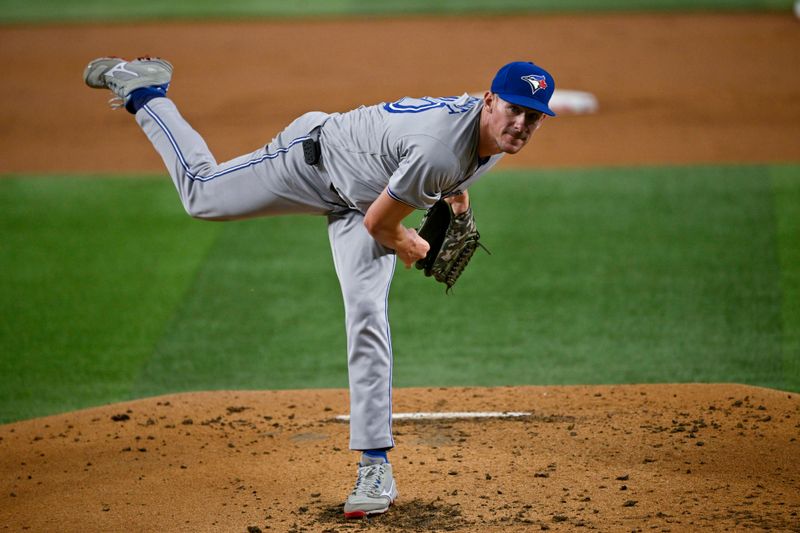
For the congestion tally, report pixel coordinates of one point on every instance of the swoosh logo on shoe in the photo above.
(389, 492)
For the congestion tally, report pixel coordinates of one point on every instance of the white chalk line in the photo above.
(447, 416)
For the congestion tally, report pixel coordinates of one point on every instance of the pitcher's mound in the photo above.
(613, 458)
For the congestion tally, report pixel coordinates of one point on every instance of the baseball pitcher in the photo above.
(365, 170)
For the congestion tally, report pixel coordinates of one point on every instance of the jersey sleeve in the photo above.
(427, 167)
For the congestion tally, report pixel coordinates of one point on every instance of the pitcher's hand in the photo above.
(412, 248)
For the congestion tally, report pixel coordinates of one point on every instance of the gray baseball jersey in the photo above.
(420, 149)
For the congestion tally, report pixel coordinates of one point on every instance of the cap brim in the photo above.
(530, 103)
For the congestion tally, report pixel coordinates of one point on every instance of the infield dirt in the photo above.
(620, 458)
(672, 89)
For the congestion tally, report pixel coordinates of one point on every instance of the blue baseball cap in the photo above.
(526, 85)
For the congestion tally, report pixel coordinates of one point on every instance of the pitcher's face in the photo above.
(508, 126)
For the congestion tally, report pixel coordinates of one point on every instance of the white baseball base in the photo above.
(566, 102)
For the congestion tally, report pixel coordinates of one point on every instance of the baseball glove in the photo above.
(453, 240)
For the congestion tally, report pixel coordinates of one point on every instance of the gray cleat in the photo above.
(123, 77)
(374, 492)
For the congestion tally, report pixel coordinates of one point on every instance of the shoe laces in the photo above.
(369, 480)
(116, 102)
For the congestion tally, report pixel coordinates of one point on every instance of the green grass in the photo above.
(264, 310)
(686, 274)
(94, 10)
(787, 214)
(92, 271)
(648, 275)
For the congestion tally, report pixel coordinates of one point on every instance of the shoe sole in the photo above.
(364, 514)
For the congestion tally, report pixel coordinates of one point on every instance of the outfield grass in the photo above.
(111, 292)
(93, 10)
(787, 213)
(92, 271)
(648, 275)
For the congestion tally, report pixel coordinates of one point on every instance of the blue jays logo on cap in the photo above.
(536, 82)
(525, 84)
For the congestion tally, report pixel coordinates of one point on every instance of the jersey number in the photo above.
(453, 104)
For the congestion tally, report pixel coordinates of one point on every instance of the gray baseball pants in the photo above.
(275, 180)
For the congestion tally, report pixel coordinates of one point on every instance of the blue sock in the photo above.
(140, 97)
(371, 457)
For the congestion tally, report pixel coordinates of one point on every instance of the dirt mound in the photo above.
(602, 457)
